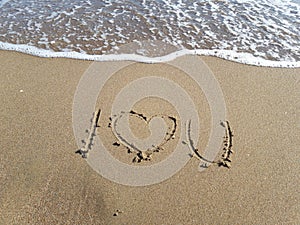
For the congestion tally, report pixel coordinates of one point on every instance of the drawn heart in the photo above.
(156, 125)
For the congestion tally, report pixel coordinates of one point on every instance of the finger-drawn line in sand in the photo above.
(92, 133)
(151, 85)
(141, 154)
(226, 156)
(195, 151)
(146, 155)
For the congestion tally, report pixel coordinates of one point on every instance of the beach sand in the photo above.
(43, 181)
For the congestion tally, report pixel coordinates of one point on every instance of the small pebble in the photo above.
(116, 144)
(117, 212)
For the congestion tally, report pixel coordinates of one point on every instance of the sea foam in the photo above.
(245, 58)
(263, 32)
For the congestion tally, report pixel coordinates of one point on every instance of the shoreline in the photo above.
(43, 180)
(230, 55)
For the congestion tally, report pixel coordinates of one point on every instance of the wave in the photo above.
(255, 32)
(245, 58)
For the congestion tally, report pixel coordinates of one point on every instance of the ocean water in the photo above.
(258, 32)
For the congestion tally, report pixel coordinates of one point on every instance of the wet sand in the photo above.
(43, 181)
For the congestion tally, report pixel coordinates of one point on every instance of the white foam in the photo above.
(268, 29)
(3, 2)
(245, 58)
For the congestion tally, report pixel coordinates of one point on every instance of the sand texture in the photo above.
(43, 180)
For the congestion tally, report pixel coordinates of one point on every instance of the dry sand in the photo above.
(42, 180)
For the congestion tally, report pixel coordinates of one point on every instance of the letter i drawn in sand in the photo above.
(226, 156)
(89, 141)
